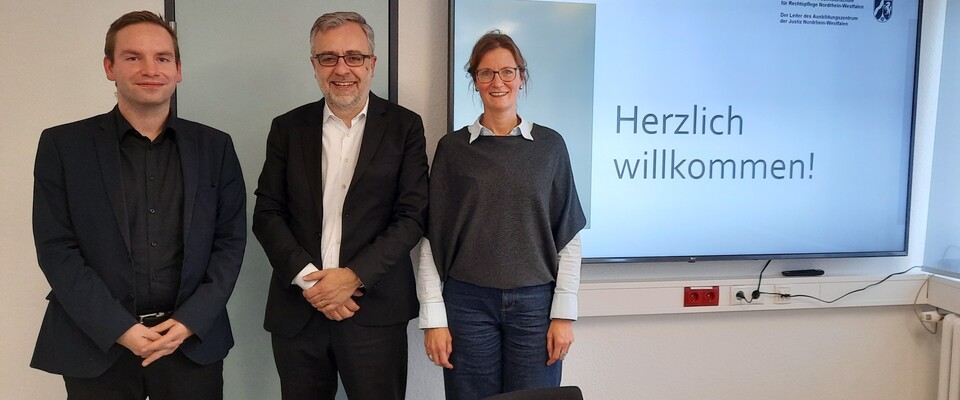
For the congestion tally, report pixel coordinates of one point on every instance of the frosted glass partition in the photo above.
(943, 223)
(244, 63)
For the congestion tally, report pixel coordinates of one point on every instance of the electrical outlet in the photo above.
(699, 296)
(747, 294)
(930, 316)
(780, 299)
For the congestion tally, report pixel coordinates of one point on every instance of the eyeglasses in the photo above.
(506, 74)
(331, 60)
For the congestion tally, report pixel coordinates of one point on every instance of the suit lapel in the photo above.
(108, 152)
(311, 137)
(372, 136)
(189, 170)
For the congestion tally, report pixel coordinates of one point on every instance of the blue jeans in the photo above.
(499, 340)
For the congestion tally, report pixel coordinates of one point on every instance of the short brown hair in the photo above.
(491, 41)
(337, 19)
(137, 17)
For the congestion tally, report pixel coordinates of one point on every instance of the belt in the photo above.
(153, 319)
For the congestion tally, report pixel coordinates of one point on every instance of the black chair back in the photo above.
(558, 393)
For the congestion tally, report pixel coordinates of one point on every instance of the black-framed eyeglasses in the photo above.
(506, 74)
(352, 60)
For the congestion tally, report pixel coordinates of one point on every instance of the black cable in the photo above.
(845, 295)
(916, 307)
(756, 293)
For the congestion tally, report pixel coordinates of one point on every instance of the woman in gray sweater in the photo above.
(502, 241)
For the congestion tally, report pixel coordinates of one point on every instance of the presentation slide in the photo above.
(725, 129)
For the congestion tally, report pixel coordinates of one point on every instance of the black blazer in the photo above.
(383, 213)
(83, 244)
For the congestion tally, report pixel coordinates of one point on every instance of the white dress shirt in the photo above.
(338, 162)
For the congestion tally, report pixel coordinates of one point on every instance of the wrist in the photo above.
(358, 283)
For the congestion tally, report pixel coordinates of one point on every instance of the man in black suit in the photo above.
(340, 203)
(140, 226)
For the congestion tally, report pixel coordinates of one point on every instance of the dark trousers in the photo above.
(371, 361)
(172, 377)
(499, 340)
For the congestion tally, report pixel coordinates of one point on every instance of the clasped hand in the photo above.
(333, 292)
(151, 343)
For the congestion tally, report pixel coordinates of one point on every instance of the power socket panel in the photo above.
(781, 289)
(699, 296)
(747, 292)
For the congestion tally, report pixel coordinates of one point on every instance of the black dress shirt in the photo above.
(153, 192)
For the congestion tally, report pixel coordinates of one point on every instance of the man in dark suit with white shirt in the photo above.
(341, 201)
(139, 219)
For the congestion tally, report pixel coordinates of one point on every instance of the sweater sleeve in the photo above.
(566, 212)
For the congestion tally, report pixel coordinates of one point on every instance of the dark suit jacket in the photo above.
(383, 213)
(83, 244)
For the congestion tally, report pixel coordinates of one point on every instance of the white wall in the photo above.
(50, 73)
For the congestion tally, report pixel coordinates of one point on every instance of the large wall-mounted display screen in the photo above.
(703, 129)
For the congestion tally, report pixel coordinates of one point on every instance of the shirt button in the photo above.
(153, 211)
(344, 187)
(153, 244)
(152, 178)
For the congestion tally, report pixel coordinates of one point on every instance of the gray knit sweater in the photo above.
(501, 208)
